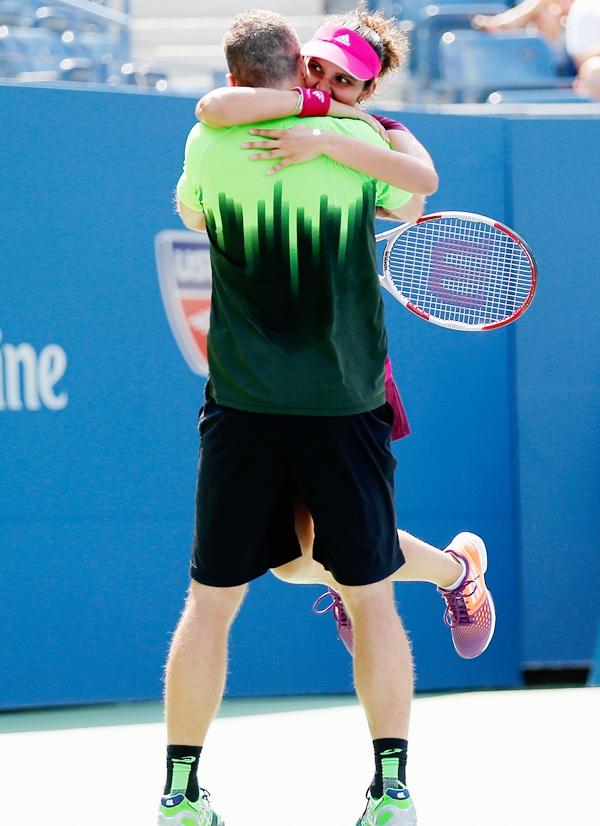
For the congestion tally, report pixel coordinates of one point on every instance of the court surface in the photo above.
(494, 758)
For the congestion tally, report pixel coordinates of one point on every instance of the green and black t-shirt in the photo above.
(297, 318)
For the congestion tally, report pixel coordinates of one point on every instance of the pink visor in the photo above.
(346, 49)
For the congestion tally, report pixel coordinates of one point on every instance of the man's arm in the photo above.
(236, 105)
(188, 193)
(192, 218)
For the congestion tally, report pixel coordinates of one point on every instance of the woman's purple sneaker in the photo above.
(470, 612)
(334, 603)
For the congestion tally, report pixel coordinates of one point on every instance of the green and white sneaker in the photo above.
(395, 808)
(177, 810)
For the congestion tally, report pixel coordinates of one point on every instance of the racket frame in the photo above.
(390, 235)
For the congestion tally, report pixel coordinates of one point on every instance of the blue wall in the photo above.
(558, 388)
(96, 496)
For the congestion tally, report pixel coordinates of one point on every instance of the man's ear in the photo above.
(231, 80)
(302, 70)
(370, 90)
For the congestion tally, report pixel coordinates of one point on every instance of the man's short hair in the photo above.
(261, 49)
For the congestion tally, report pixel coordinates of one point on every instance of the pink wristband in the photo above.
(315, 103)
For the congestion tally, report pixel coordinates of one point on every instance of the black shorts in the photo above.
(252, 468)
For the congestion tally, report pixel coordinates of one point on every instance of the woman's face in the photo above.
(326, 76)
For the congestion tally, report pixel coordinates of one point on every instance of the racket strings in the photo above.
(460, 271)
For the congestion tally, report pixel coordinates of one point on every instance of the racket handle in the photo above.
(388, 233)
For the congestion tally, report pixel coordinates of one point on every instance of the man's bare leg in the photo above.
(384, 684)
(197, 663)
(194, 684)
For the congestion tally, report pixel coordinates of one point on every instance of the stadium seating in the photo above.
(97, 43)
(433, 22)
(41, 51)
(142, 76)
(62, 19)
(62, 43)
(16, 13)
(473, 64)
(413, 9)
(102, 49)
(33, 56)
(12, 14)
(14, 62)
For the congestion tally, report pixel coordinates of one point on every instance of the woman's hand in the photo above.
(343, 110)
(374, 124)
(295, 145)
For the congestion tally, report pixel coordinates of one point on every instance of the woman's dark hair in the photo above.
(384, 35)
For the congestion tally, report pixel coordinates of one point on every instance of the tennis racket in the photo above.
(459, 270)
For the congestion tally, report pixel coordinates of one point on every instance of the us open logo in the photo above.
(184, 274)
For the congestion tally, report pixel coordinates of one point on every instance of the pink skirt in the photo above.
(400, 427)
